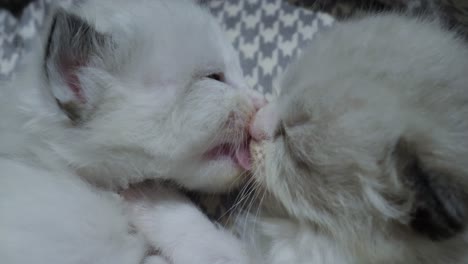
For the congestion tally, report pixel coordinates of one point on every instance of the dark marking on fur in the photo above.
(280, 131)
(71, 44)
(132, 230)
(439, 210)
(153, 252)
(72, 110)
(48, 46)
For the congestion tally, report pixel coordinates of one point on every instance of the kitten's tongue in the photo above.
(243, 157)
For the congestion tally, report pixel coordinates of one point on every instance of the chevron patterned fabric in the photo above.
(267, 33)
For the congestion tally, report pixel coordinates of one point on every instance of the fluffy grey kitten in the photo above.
(363, 156)
(121, 92)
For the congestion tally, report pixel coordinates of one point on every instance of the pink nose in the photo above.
(264, 123)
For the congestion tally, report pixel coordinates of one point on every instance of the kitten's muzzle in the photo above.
(264, 123)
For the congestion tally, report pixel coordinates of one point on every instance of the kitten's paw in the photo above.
(155, 260)
(146, 202)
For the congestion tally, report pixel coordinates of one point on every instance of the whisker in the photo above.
(242, 195)
(243, 202)
(256, 215)
(250, 206)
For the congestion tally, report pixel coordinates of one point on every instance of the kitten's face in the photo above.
(359, 133)
(152, 89)
(318, 147)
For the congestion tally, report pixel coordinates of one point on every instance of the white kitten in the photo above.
(363, 156)
(125, 91)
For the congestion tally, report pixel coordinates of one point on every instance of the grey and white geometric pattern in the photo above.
(267, 34)
(16, 34)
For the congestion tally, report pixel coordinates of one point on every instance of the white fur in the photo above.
(178, 229)
(147, 110)
(330, 157)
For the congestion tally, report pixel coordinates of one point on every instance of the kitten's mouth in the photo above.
(239, 154)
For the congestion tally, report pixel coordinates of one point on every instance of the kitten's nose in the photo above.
(264, 123)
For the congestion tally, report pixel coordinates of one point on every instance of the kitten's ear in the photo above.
(440, 206)
(72, 45)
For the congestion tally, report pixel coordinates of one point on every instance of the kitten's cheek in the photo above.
(264, 123)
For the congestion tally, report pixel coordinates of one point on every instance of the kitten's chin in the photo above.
(257, 154)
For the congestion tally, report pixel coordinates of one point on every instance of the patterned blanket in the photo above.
(267, 34)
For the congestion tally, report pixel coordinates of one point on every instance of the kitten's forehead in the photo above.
(337, 113)
(171, 36)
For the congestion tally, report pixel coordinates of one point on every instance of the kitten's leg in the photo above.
(174, 225)
(53, 218)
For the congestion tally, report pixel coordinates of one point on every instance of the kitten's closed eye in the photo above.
(279, 131)
(219, 76)
(298, 120)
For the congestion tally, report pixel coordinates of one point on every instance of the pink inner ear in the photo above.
(71, 78)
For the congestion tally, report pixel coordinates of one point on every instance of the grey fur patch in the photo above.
(439, 210)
